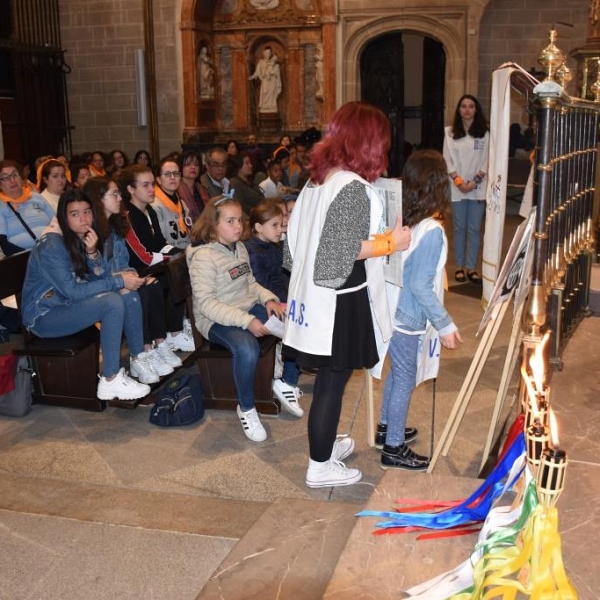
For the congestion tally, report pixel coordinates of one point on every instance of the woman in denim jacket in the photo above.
(69, 287)
(425, 198)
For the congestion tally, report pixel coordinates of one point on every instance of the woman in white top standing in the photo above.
(466, 146)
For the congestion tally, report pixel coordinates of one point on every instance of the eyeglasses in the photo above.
(10, 177)
(217, 165)
(169, 174)
(114, 194)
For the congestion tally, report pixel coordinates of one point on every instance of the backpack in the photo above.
(179, 401)
(16, 385)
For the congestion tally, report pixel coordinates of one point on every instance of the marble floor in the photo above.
(104, 505)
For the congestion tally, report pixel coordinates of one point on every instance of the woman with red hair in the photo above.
(337, 299)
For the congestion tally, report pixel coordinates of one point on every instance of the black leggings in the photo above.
(325, 411)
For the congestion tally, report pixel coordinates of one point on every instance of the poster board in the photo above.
(390, 192)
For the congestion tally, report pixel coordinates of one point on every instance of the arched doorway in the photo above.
(403, 73)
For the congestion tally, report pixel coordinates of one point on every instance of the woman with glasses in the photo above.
(142, 157)
(24, 214)
(171, 211)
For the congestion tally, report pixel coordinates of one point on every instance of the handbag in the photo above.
(16, 385)
(179, 402)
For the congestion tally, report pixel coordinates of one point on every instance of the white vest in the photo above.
(311, 308)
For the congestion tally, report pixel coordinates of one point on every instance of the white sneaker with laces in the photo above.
(342, 447)
(251, 425)
(141, 368)
(160, 366)
(122, 387)
(288, 396)
(167, 355)
(181, 341)
(330, 473)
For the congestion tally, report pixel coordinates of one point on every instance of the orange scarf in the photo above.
(38, 173)
(25, 195)
(170, 205)
(96, 172)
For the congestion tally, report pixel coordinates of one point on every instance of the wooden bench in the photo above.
(215, 362)
(66, 367)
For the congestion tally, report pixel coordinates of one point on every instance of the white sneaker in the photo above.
(167, 355)
(331, 473)
(159, 365)
(342, 447)
(288, 396)
(141, 368)
(122, 387)
(187, 328)
(251, 425)
(181, 341)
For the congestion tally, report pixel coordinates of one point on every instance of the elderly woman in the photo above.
(24, 214)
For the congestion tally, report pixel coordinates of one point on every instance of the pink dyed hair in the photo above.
(357, 140)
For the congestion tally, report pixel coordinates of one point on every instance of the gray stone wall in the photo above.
(100, 37)
(517, 31)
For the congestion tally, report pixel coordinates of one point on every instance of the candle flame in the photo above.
(554, 429)
(530, 393)
(537, 364)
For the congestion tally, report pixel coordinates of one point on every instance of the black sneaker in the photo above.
(402, 457)
(410, 435)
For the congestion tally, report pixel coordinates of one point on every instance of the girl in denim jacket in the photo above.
(425, 192)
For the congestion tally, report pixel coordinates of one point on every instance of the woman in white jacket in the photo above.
(466, 147)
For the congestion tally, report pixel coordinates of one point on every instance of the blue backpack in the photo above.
(179, 401)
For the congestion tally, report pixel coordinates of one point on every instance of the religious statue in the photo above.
(269, 73)
(206, 75)
(319, 70)
(264, 4)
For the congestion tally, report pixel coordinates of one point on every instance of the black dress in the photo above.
(353, 342)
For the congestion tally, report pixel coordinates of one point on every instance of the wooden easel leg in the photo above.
(512, 354)
(475, 368)
(370, 410)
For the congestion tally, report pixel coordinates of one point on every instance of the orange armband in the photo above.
(383, 244)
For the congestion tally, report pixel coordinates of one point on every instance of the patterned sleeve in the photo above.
(346, 226)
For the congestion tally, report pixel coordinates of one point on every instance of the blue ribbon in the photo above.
(461, 514)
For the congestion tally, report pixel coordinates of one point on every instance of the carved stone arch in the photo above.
(449, 28)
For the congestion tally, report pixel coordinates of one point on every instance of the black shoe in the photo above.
(410, 435)
(402, 457)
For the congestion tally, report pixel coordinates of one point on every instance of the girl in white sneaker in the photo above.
(266, 260)
(337, 297)
(230, 307)
(157, 359)
(68, 288)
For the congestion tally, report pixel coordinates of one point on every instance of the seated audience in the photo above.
(156, 358)
(190, 190)
(245, 191)
(230, 310)
(266, 260)
(52, 181)
(147, 247)
(24, 214)
(68, 288)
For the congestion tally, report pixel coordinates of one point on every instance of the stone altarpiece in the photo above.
(226, 42)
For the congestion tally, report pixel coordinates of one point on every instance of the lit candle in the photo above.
(552, 471)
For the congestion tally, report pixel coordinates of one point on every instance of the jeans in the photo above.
(244, 347)
(132, 325)
(399, 385)
(291, 372)
(107, 309)
(467, 216)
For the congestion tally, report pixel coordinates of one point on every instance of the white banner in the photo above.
(497, 174)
